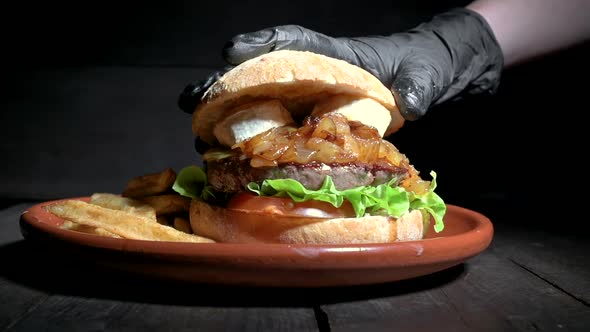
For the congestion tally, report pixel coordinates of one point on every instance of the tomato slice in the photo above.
(287, 207)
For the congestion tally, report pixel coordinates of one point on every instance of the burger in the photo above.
(295, 153)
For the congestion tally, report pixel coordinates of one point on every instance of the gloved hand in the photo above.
(454, 53)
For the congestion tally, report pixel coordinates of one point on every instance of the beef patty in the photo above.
(233, 175)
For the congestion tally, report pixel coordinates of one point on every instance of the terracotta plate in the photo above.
(467, 233)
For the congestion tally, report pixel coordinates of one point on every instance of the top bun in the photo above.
(298, 79)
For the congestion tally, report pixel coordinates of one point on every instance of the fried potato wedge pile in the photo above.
(148, 209)
(121, 223)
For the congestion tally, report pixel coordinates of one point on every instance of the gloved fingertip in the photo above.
(192, 94)
(190, 97)
(229, 53)
(411, 106)
(412, 114)
(249, 45)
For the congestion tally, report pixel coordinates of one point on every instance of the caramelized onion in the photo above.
(327, 139)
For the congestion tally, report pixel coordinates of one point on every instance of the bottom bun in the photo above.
(240, 226)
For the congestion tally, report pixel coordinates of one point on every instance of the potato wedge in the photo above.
(150, 184)
(72, 226)
(182, 224)
(116, 202)
(167, 204)
(121, 223)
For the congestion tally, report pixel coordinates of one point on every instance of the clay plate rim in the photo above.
(466, 234)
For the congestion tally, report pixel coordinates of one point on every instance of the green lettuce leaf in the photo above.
(383, 199)
(192, 182)
(432, 203)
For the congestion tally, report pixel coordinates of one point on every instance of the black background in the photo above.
(89, 100)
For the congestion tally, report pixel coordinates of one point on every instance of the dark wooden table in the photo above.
(527, 280)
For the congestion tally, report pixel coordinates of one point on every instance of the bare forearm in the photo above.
(529, 28)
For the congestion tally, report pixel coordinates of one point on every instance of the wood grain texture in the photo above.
(45, 292)
(16, 299)
(556, 258)
(77, 314)
(9, 230)
(491, 294)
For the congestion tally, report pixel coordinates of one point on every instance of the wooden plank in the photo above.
(94, 299)
(560, 259)
(9, 228)
(87, 314)
(50, 294)
(491, 294)
(17, 298)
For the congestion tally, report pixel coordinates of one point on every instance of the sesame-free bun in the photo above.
(238, 226)
(298, 79)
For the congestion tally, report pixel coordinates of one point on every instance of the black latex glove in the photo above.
(454, 53)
